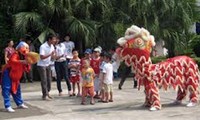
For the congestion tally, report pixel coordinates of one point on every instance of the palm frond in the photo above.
(44, 33)
(24, 19)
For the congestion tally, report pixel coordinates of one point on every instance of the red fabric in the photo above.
(75, 79)
(16, 70)
(95, 64)
(88, 90)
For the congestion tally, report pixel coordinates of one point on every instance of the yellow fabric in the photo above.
(32, 57)
(88, 77)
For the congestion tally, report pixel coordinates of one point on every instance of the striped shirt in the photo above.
(75, 63)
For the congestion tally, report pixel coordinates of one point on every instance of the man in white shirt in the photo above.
(47, 53)
(69, 45)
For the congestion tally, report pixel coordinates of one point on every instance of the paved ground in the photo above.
(127, 105)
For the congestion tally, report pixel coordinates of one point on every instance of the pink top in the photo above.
(9, 51)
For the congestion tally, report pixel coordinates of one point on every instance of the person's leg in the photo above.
(73, 88)
(49, 78)
(83, 95)
(127, 71)
(134, 82)
(68, 69)
(23, 78)
(79, 91)
(65, 75)
(96, 87)
(111, 93)
(6, 88)
(30, 74)
(43, 77)
(106, 93)
(58, 80)
(91, 93)
(18, 97)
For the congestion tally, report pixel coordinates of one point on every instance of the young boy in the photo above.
(95, 64)
(87, 82)
(102, 92)
(108, 78)
(74, 66)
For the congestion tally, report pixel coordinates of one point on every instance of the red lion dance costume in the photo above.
(179, 72)
(12, 73)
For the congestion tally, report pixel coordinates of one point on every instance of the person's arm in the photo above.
(6, 57)
(46, 56)
(57, 57)
(104, 72)
(43, 56)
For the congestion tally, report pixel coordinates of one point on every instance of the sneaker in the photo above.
(153, 109)
(78, 95)
(70, 93)
(60, 94)
(10, 109)
(191, 104)
(50, 97)
(23, 106)
(46, 98)
(119, 87)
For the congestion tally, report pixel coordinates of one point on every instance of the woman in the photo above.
(9, 50)
(60, 66)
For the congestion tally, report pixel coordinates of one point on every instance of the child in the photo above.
(102, 92)
(74, 66)
(87, 56)
(108, 79)
(87, 82)
(95, 64)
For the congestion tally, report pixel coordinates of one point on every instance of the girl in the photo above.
(74, 66)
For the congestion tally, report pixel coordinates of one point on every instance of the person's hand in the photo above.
(53, 53)
(23, 61)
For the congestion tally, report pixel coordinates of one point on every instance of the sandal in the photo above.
(83, 103)
(105, 101)
(110, 100)
(100, 100)
(92, 103)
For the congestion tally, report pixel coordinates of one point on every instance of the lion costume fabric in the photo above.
(179, 72)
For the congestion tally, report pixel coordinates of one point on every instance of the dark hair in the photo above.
(74, 50)
(108, 55)
(67, 34)
(102, 54)
(8, 41)
(57, 35)
(113, 48)
(50, 36)
(28, 38)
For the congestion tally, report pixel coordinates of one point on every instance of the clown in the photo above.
(180, 72)
(12, 73)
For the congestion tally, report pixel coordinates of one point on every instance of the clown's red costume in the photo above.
(179, 72)
(12, 73)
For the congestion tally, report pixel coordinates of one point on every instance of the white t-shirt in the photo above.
(60, 50)
(115, 62)
(69, 47)
(45, 49)
(108, 71)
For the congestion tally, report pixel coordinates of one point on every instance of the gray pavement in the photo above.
(127, 105)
